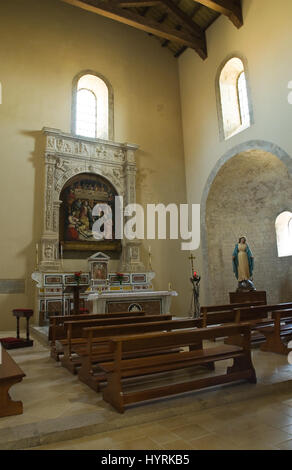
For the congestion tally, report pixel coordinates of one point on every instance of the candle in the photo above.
(37, 254)
(149, 250)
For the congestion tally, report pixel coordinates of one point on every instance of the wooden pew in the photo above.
(119, 369)
(227, 307)
(242, 314)
(96, 349)
(58, 331)
(10, 374)
(75, 334)
(279, 333)
(259, 318)
(210, 310)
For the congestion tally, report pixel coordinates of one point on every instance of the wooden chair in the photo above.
(120, 368)
(10, 374)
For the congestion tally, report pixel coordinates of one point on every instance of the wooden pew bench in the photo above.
(75, 338)
(97, 350)
(260, 319)
(10, 374)
(278, 334)
(58, 331)
(120, 369)
(221, 314)
(227, 307)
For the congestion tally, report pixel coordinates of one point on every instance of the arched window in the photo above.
(243, 100)
(283, 226)
(86, 113)
(92, 112)
(234, 102)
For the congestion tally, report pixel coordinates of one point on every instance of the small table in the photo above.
(14, 343)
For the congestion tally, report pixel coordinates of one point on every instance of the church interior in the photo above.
(149, 342)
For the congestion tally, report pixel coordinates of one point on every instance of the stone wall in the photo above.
(43, 46)
(247, 195)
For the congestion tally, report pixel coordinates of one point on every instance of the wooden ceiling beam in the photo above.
(112, 11)
(230, 8)
(184, 18)
(136, 3)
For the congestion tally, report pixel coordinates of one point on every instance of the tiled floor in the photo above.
(49, 392)
(262, 423)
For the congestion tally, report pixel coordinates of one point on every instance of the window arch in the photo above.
(283, 227)
(86, 113)
(234, 104)
(92, 108)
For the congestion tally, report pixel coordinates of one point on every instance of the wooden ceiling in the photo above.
(177, 24)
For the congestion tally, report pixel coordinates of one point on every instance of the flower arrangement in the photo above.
(196, 278)
(120, 277)
(77, 277)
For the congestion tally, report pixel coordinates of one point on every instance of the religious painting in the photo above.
(99, 271)
(79, 196)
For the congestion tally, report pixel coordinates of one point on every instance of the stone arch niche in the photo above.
(67, 156)
(246, 191)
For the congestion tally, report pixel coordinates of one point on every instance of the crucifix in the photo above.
(195, 280)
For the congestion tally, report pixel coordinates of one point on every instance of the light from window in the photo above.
(284, 234)
(92, 101)
(234, 97)
(243, 100)
(86, 113)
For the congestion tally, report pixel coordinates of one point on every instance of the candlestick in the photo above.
(149, 254)
(192, 258)
(61, 253)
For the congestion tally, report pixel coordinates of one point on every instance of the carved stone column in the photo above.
(50, 239)
(131, 261)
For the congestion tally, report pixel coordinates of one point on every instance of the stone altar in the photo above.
(152, 302)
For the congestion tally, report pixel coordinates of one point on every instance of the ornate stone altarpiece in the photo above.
(67, 156)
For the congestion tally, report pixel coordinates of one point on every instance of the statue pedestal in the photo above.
(251, 296)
